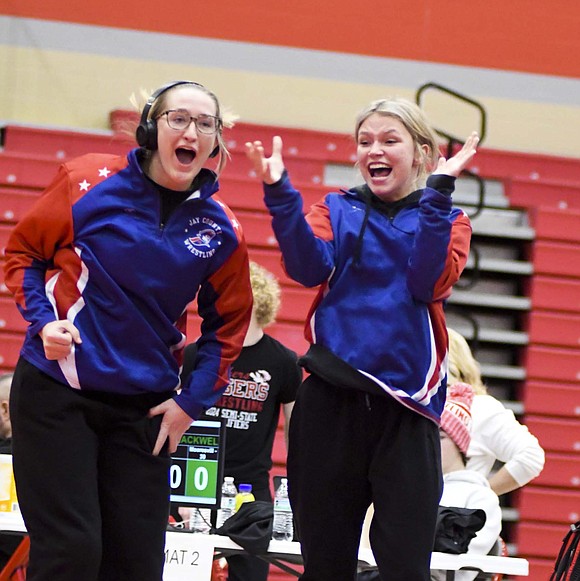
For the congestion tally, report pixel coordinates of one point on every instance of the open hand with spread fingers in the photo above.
(268, 169)
(456, 164)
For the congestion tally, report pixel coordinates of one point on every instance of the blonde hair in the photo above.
(266, 292)
(463, 367)
(415, 122)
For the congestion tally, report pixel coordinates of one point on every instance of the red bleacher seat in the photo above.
(552, 328)
(555, 294)
(556, 258)
(5, 230)
(495, 163)
(10, 346)
(15, 202)
(560, 470)
(552, 398)
(564, 505)
(555, 434)
(302, 170)
(63, 144)
(257, 228)
(244, 193)
(271, 259)
(553, 363)
(556, 224)
(306, 143)
(530, 193)
(26, 171)
(295, 304)
(539, 539)
(10, 318)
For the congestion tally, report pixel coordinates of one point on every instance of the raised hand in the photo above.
(268, 169)
(456, 164)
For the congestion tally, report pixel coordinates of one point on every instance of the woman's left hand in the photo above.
(173, 425)
(456, 164)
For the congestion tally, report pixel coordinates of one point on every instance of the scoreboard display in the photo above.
(196, 472)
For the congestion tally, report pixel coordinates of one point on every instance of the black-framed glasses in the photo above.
(180, 120)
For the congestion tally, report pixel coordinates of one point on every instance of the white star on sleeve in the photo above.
(104, 173)
(84, 186)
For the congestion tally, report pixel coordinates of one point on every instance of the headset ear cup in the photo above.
(146, 135)
(141, 135)
(151, 135)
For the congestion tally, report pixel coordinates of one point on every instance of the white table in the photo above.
(286, 554)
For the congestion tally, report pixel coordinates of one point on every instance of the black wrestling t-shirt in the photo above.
(265, 376)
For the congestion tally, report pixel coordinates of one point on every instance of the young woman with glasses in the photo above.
(364, 429)
(103, 268)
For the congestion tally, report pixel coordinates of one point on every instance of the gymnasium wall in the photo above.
(301, 63)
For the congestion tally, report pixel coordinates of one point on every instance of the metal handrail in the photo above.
(453, 141)
(451, 138)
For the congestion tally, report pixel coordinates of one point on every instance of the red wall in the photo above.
(518, 35)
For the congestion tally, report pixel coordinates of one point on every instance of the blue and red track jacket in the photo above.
(384, 272)
(93, 250)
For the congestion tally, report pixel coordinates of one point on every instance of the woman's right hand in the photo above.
(58, 338)
(268, 169)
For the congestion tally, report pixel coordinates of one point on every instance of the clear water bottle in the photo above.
(283, 527)
(200, 520)
(228, 502)
(244, 495)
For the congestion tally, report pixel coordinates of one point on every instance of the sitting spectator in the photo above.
(5, 425)
(8, 541)
(464, 488)
(496, 434)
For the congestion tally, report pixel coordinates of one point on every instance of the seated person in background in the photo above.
(5, 425)
(264, 379)
(8, 541)
(496, 434)
(462, 487)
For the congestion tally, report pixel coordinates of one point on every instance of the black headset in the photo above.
(146, 133)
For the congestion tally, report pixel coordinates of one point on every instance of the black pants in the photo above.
(248, 567)
(346, 450)
(94, 499)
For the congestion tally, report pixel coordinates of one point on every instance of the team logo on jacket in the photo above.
(205, 238)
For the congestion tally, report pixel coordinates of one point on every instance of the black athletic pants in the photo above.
(347, 449)
(94, 499)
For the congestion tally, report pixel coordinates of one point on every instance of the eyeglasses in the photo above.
(180, 120)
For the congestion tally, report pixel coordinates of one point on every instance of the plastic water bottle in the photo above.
(228, 502)
(244, 495)
(283, 527)
(200, 520)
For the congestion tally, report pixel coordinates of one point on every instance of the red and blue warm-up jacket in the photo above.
(384, 272)
(93, 250)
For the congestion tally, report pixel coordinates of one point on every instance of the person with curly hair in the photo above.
(264, 381)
